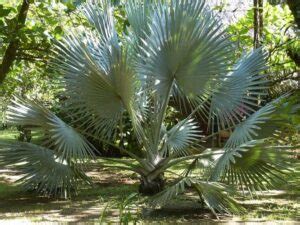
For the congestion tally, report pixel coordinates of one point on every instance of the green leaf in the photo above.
(58, 29)
(4, 11)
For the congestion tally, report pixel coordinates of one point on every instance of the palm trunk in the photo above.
(151, 187)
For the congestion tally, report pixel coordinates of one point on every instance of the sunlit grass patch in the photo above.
(12, 134)
(8, 135)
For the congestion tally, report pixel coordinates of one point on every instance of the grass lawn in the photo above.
(106, 200)
(8, 135)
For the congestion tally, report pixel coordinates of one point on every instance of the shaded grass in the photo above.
(107, 193)
(8, 191)
(86, 206)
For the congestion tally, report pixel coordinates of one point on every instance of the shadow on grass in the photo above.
(86, 206)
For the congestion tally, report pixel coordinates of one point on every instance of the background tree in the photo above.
(13, 46)
(25, 29)
(280, 38)
(258, 22)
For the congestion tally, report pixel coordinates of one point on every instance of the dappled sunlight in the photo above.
(10, 176)
(110, 188)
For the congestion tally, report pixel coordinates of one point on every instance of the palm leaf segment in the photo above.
(42, 170)
(53, 169)
(139, 16)
(247, 162)
(237, 96)
(182, 136)
(62, 138)
(185, 43)
(212, 193)
(97, 77)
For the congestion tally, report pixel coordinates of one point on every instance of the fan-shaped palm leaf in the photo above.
(139, 13)
(253, 165)
(181, 136)
(42, 170)
(241, 146)
(97, 75)
(170, 192)
(64, 139)
(185, 43)
(248, 129)
(82, 72)
(238, 94)
(213, 195)
(99, 13)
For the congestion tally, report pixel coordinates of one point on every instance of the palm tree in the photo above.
(173, 50)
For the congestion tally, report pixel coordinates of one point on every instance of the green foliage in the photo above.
(279, 38)
(125, 210)
(30, 74)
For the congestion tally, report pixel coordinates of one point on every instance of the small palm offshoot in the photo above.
(173, 50)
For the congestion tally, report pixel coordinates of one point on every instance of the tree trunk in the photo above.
(295, 9)
(257, 22)
(152, 187)
(11, 51)
(294, 6)
(24, 134)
